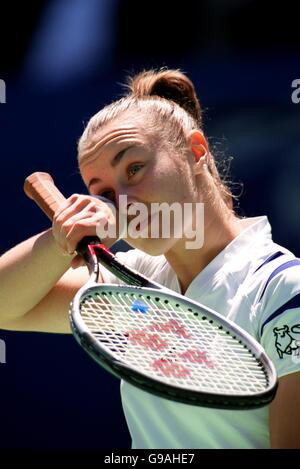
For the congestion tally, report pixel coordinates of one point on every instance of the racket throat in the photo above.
(129, 276)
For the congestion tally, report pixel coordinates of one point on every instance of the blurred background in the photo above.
(61, 61)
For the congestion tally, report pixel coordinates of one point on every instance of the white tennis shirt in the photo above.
(254, 282)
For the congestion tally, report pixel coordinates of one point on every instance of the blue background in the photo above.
(62, 61)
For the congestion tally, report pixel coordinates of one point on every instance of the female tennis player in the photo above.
(150, 147)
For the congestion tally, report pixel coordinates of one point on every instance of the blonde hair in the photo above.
(167, 98)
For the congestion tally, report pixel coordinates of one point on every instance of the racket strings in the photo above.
(243, 361)
(171, 342)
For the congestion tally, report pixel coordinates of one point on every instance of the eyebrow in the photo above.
(115, 161)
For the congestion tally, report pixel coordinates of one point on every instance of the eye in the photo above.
(108, 195)
(133, 169)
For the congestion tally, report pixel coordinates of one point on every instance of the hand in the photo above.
(80, 216)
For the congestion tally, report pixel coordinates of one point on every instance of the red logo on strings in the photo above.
(196, 356)
(151, 341)
(168, 366)
(171, 326)
(170, 369)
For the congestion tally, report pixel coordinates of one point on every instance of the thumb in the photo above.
(78, 261)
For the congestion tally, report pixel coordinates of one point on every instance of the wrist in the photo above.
(59, 250)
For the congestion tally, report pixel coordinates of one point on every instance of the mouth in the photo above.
(152, 222)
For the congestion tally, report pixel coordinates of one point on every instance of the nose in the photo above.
(124, 198)
(104, 199)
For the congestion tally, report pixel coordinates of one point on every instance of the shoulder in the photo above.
(139, 260)
(154, 267)
(279, 290)
(279, 314)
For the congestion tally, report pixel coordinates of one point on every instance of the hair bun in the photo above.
(168, 84)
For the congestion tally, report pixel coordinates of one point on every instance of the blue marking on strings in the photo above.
(139, 307)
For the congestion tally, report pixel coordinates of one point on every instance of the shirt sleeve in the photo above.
(279, 319)
(150, 266)
(131, 258)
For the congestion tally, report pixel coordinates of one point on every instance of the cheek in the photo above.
(168, 176)
(169, 185)
(154, 183)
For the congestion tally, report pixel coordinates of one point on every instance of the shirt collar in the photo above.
(236, 257)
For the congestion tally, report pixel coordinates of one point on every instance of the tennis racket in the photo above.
(156, 339)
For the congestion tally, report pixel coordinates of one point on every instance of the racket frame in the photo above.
(158, 387)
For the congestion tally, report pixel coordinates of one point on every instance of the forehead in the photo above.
(120, 130)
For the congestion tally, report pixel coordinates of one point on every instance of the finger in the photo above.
(80, 229)
(68, 202)
(61, 230)
(88, 211)
(73, 207)
(88, 227)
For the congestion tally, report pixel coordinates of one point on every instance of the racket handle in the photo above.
(40, 187)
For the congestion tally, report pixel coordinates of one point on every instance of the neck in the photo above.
(219, 231)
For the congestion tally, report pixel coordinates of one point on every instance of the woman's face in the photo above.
(124, 159)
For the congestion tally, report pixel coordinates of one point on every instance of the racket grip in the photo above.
(40, 187)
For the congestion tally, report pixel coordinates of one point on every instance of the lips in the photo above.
(147, 222)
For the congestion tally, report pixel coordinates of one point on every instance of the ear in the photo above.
(199, 148)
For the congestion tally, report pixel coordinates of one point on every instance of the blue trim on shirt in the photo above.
(279, 269)
(269, 259)
(291, 304)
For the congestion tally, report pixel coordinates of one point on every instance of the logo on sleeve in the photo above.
(285, 342)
